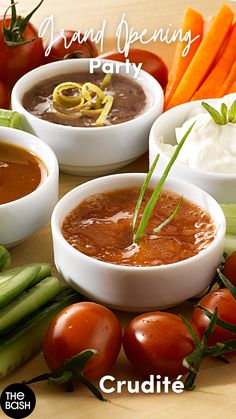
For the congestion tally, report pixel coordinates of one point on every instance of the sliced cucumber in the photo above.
(17, 284)
(5, 258)
(26, 340)
(28, 303)
(44, 272)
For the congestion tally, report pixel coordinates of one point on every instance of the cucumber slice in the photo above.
(45, 271)
(17, 284)
(28, 303)
(5, 258)
(26, 340)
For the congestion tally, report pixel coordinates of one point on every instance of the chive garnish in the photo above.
(143, 190)
(232, 113)
(224, 112)
(157, 191)
(224, 116)
(216, 116)
(170, 218)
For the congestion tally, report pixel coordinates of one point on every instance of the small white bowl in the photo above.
(129, 288)
(219, 185)
(91, 150)
(21, 218)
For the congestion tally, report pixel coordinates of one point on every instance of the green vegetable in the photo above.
(10, 119)
(26, 339)
(28, 303)
(170, 218)
(5, 258)
(230, 215)
(230, 243)
(17, 284)
(232, 113)
(143, 190)
(44, 272)
(157, 191)
(224, 116)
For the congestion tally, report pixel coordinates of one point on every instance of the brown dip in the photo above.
(129, 99)
(100, 227)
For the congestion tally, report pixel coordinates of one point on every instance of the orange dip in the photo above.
(21, 172)
(100, 227)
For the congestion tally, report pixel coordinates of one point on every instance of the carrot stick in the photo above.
(204, 57)
(192, 21)
(229, 81)
(232, 88)
(210, 87)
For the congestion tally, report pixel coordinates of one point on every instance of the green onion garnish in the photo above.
(10, 119)
(224, 116)
(143, 190)
(156, 193)
(232, 113)
(170, 218)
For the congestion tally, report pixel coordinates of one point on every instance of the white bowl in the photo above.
(21, 218)
(95, 150)
(219, 185)
(136, 288)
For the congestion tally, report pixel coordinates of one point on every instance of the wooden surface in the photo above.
(216, 389)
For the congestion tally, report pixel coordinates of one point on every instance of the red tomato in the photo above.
(83, 326)
(156, 343)
(152, 63)
(18, 58)
(58, 51)
(4, 96)
(230, 268)
(226, 305)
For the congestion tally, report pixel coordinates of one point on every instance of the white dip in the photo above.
(209, 146)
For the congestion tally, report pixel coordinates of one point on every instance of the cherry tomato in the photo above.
(17, 58)
(152, 63)
(230, 268)
(4, 96)
(83, 326)
(58, 51)
(226, 305)
(156, 343)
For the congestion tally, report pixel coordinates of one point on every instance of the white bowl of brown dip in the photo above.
(82, 145)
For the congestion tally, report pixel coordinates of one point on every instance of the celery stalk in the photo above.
(10, 119)
(230, 243)
(230, 215)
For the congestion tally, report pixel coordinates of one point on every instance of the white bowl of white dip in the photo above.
(208, 157)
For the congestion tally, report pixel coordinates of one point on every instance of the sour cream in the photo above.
(209, 146)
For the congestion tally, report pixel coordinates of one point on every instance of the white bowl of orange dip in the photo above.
(26, 203)
(134, 288)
